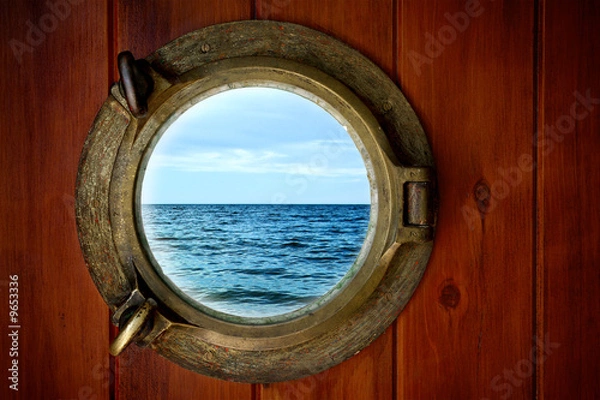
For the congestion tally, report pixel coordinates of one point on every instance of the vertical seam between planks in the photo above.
(395, 359)
(395, 52)
(538, 180)
(112, 28)
(112, 37)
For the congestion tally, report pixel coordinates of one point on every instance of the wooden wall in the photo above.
(509, 95)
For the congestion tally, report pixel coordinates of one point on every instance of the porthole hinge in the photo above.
(417, 204)
(416, 207)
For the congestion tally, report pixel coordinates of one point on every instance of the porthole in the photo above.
(256, 203)
(191, 325)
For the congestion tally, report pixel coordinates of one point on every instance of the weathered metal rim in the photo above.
(199, 348)
(273, 331)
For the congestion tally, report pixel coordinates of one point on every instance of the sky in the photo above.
(255, 145)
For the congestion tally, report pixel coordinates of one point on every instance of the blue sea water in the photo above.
(255, 260)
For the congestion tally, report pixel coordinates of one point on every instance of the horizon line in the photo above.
(256, 204)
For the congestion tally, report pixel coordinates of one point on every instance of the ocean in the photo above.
(255, 260)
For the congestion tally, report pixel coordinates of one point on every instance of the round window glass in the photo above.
(256, 202)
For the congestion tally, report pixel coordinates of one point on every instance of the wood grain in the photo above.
(143, 27)
(366, 25)
(472, 86)
(370, 374)
(51, 92)
(367, 376)
(568, 215)
(509, 267)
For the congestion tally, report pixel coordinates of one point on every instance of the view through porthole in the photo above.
(256, 202)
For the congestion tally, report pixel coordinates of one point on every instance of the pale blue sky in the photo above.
(255, 146)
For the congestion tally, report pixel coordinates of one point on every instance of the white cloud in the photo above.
(315, 158)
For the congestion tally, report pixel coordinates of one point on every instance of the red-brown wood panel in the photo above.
(365, 376)
(367, 26)
(569, 187)
(142, 27)
(467, 68)
(515, 269)
(53, 81)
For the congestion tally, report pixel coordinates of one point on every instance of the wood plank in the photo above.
(55, 78)
(569, 216)
(470, 321)
(143, 27)
(367, 375)
(367, 26)
(145, 375)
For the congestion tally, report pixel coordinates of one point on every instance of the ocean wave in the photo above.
(294, 243)
(259, 271)
(257, 297)
(166, 238)
(255, 260)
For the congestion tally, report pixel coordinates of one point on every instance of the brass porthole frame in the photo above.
(148, 310)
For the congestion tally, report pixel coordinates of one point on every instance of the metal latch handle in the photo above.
(132, 327)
